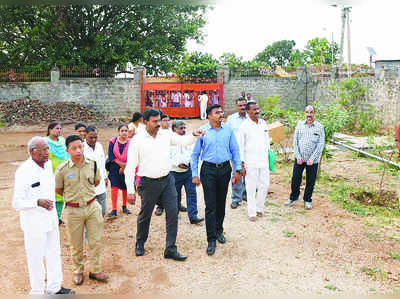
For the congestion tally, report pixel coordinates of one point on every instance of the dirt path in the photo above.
(288, 251)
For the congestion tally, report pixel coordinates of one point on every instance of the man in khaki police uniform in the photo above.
(76, 180)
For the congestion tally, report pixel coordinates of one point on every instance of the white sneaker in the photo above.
(290, 202)
(307, 205)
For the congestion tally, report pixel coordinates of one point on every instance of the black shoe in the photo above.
(234, 205)
(196, 220)
(159, 211)
(221, 238)
(211, 247)
(174, 255)
(125, 210)
(139, 249)
(64, 291)
(182, 209)
(60, 222)
(113, 213)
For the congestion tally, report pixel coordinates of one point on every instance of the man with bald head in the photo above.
(34, 197)
(308, 144)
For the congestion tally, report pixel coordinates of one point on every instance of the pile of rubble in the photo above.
(24, 111)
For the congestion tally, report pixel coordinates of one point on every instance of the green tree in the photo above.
(152, 36)
(233, 62)
(279, 53)
(196, 64)
(318, 49)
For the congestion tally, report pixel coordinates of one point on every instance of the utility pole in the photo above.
(348, 43)
(345, 17)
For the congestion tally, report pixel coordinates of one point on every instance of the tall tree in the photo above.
(197, 64)
(152, 36)
(233, 62)
(320, 50)
(278, 53)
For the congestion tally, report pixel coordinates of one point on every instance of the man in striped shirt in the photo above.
(308, 143)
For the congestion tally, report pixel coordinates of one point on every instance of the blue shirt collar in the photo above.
(207, 126)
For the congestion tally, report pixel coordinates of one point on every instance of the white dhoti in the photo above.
(41, 246)
(257, 183)
(203, 108)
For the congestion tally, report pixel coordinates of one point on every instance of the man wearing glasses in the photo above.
(217, 147)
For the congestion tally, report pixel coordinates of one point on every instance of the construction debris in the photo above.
(25, 111)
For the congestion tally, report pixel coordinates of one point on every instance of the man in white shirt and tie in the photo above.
(151, 151)
(94, 151)
(34, 197)
(253, 139)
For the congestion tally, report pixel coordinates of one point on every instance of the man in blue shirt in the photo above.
(217, 147)
(234, 121)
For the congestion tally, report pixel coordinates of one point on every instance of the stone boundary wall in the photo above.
(121, 97)
(114, 97)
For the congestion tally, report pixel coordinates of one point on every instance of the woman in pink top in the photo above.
(117, 154)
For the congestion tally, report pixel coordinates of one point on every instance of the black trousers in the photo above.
(215, 182)
(151, 191)
(311, 176)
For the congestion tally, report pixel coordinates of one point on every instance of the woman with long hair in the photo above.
(117, 155)
(57, 155)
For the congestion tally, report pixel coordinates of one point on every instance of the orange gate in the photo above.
(179, 100)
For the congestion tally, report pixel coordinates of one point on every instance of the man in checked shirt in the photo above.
(308, 143)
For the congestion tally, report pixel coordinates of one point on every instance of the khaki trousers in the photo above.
(89, 217)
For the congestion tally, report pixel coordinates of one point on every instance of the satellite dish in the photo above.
(371, 51)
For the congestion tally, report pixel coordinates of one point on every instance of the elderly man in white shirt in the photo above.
(94, 151)
(254, 144)
(34, 198)
(150, 150)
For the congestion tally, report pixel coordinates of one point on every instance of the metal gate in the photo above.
(179, 100)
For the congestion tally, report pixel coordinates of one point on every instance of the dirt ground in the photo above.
(288, 251)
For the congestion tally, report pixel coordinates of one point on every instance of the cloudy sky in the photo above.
(246, 27)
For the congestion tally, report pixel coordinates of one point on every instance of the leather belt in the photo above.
(216, 165)
(77, 205)
(154, 179)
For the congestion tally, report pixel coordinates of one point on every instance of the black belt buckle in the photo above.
(219, 165)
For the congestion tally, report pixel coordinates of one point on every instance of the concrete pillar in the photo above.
(55, 75)
(139, 73)
(223, 69)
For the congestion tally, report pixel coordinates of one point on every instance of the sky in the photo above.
(246, 27)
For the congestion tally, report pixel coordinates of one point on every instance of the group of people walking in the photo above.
(156, 162)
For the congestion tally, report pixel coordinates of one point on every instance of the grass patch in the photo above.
(393, 238)
(374, 273)
(374, 236)
(331, 287)
(395, 256)
(289, 234)
(303, 212)
(272, 204)
(353, 198)
(390, 169)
